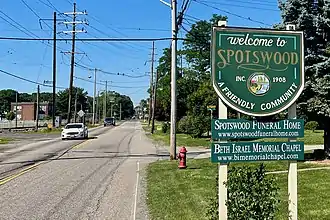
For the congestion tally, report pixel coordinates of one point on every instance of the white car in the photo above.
(75, 131)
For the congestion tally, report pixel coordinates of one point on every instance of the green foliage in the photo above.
(313, 21)
(165, 127)
(63, 99)
(194, 125)
(48, 117)
(251, 195)
(10, 116)
(7, 96)
(183, 125)
(312, 125)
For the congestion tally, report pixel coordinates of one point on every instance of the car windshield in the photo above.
(73, 126)
(109, 119)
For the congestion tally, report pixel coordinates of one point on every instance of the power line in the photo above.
(113, 29)
(99, 83)
(143, 29)
(239, 6)
(233, 14)
(28, 80)
(127, 44)
(90, 39)
(111, 73)
(192, 17)
(259, 3)
(113, 45)
(26, 31)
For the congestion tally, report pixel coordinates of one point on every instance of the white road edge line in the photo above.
(136, 188)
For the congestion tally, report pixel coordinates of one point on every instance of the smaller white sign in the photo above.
(81, 113)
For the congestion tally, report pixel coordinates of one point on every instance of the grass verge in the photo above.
(5, 140)
(186, 193)
(311, 138)
(182, 139)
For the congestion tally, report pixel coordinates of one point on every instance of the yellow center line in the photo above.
(5, 180)
(32, 167)
(81, 144)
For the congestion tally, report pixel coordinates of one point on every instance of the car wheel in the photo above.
(63, 139)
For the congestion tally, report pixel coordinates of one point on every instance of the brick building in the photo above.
(26, 111)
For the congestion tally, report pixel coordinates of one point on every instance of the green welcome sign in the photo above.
(257, 72)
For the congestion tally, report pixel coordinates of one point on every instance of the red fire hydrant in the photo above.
(182, 157)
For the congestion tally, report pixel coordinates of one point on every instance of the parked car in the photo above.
(109, 121)
(75, 131)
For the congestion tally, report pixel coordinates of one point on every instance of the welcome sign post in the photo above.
(259, 73)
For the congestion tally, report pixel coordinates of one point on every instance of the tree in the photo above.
(114, 99)
(313, 19)
(10, 116)
(194, 88)
(7, 96)
(198, 43)
(63, 99)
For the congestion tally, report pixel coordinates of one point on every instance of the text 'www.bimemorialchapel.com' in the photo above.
(262, 157)
(253, 134)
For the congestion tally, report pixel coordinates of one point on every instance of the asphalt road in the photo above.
(94, 179)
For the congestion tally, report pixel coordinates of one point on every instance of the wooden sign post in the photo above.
(258, 73)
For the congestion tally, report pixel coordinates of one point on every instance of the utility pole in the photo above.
(98, 107)
(94, 96)
(75, 105)
(119, 111)
(111, 109)
(72, 61)
(105, 100)
(151, 81)
(176, 21)
(54, 20)
(54, 71)
(154, 104)
(37, 109)
(173, 81)
(16, 109)
(74, 23)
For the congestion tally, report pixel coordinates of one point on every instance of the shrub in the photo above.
(165, 127)
(311, 125)
(10, 116)
(184, 125)
(251, 195)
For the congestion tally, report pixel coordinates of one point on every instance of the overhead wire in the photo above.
(113, 29)
(127, 44)
(28, 80)
(104, 49)
(258, 3)
(41, 66)
(91, 39)
(231, 13)
(114, 86)
(111, 73)
(239, 6)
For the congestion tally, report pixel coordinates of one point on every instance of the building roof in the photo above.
(28, 103)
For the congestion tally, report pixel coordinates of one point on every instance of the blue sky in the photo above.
(117, 19)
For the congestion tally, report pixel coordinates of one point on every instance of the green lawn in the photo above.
(182, 139)
(5, 140)
(311, 138)
(184, 194)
